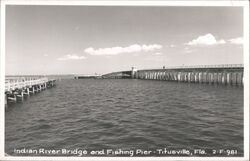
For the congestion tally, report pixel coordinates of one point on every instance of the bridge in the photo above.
(230, 74)
(119, 75)
(17, 88)
(96, 76)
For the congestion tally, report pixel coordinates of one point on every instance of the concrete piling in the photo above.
(234, 78)
(206, 77)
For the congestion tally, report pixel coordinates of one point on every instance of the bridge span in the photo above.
(228, 74)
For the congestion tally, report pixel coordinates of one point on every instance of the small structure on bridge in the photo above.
(133, 72)
(18, 88)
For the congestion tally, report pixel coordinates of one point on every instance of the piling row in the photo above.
(232, 78)
(16, 91)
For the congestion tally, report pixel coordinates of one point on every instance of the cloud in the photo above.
(120, 50)
(207, 39)
(156, 59)
(172, 45)
(71, 57)
(45, 55)
(157, 54)
(188, 50)
(238, 41)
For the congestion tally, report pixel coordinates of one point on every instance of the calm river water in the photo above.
(96, 114)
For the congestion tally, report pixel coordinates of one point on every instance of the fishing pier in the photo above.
(16, 89)
(225, 74)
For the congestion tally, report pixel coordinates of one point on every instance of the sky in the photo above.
(102, 39)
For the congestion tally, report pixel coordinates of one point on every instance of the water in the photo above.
(97, 114)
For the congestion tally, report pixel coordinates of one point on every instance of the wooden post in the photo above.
(179, 77)
(239, 78)
(200, 77)
(166, 77)
(234, 78)
(175, 76)
(19, 95)
(215, 78)
(229, 78)
(211, 79)
(183, 76)
(188, 77)
(195, 77)
(219, 78)
(38, 88)
(35, 89)
(32, 90)
(27, 91)
(171, 76)
(191, 77)
(223, 78)
(207, 77)
(11, 97)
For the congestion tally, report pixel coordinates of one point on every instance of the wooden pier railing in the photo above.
(18, 84)
(18, 88)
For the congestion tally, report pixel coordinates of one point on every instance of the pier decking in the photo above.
(18, 88)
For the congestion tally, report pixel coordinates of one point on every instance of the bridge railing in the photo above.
(203, 66)
(214, 66)
(13, 84)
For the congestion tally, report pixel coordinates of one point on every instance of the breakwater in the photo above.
(230, 74)
(16, 89)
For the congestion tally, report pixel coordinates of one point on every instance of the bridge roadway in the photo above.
(230, 74)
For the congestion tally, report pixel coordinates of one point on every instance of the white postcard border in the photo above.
(244, 4)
